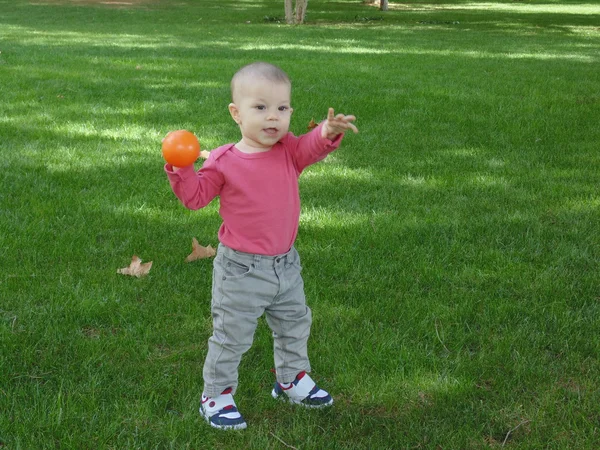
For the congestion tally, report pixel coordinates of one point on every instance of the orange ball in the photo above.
(180, 148)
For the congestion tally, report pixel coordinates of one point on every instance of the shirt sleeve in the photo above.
(312, 147)
(196, 189)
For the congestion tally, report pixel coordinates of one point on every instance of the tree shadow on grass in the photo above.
(521, 19)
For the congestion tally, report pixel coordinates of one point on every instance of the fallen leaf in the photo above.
(204, 154)
(312, 124)
(199, 252)
(136, 268)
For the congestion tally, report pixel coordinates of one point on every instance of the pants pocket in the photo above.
(234, 269)
(294, 261)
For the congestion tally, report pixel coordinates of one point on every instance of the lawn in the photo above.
(451, 249)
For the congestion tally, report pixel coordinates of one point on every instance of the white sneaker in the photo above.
(221, 412)
(303, 391)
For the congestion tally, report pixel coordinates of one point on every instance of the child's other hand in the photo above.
(203, 154)
(335, 125)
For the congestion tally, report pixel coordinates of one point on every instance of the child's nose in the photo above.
(273, 114)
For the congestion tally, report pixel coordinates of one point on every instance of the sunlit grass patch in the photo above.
(317, 48)
(521, 8)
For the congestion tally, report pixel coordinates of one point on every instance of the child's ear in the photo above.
(235, 113)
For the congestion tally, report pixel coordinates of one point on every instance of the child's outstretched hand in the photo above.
(335, 125)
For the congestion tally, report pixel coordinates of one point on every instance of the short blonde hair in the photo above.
(256, 70)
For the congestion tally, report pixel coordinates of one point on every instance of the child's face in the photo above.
(262, 110)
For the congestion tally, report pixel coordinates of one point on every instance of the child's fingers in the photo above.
(353, 127)
(344, 118)
(341, 121)
(345, 122)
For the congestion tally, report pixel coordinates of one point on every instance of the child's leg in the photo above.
(235, 310)
(290, 319)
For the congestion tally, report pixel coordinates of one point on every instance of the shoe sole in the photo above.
(239, 426)
(286, 399)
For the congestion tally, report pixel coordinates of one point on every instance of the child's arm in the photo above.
(316, 145)
(195, 189)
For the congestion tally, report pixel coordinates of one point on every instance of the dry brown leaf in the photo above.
(204, 154)
(312, 124)
(136, 268)
(199, 252)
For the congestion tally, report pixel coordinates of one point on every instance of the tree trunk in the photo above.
(289, 12)
(383, 5)
(301, 10)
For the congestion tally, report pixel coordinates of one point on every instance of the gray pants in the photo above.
(244, 287)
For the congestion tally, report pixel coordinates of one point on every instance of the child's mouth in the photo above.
(270, 131)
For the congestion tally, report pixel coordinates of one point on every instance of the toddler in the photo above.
(257, 269)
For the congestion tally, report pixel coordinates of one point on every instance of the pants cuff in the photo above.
(288, 377)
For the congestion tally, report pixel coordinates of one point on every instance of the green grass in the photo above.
(451, 250)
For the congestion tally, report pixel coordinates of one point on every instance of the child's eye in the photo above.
(260, 107)
(283, 108)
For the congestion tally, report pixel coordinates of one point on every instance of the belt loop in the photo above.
(256, 260)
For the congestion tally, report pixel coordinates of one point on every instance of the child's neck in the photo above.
(246, 148)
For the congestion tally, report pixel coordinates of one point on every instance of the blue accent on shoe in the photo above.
(317, 401)
(221, 412)
(219, 420)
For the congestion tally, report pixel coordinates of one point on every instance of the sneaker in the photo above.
(221, 412)
(302, 391)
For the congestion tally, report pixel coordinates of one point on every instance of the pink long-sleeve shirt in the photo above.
(260, 201)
